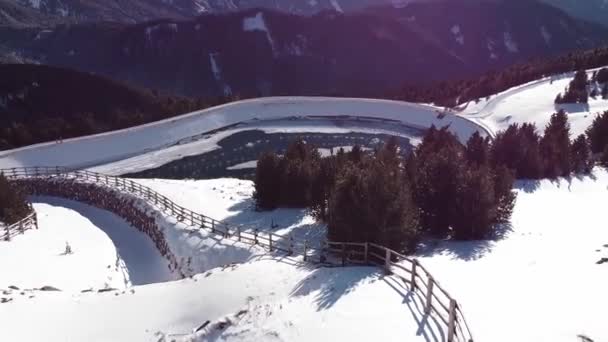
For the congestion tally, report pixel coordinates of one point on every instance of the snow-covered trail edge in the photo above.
(117, 145)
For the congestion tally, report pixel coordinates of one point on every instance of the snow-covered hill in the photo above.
(543, 276)
(534, 102)
(543, 279)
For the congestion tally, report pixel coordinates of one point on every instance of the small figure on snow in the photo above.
(68, 249)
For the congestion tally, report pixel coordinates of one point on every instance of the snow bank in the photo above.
(118, 145)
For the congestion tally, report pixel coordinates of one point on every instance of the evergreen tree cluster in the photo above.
(443, 189)
(576, 92)
(532, 156)
(13, 206)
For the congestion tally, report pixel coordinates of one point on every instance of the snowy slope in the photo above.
(287, 303)
(542, 281)
(534, 102)
(117, 257)
(118, 145)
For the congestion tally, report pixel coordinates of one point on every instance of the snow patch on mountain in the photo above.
(458, 34)
(217, 73)
(546, 35)
(509, 43)
(257, 23)
(491, 44)
(151, 30)
(336, 6)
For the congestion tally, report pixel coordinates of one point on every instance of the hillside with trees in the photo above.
(41, 103)
(452, 93)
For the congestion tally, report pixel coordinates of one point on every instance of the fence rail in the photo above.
(10, 231)
(435, 299)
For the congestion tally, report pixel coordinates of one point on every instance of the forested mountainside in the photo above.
(452, 93)
(41, 103)
(261, 52)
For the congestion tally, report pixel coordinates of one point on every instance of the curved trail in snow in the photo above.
(131, 142)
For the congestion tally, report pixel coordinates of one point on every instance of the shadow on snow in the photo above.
(144, 263)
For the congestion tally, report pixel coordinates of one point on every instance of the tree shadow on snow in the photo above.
(530, 185)
(572, 107)
(527, 185)
(464, 250)
(144, 263)
(282, 221)
(329, 284)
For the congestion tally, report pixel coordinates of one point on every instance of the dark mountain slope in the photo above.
(265, 52)
(41, 103)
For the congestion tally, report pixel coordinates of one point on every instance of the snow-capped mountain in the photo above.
(271, 53)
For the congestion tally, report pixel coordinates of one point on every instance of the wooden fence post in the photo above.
(8, 234)
(255, 236)
(365, 253)
(452, 320)
(21, 229)
(305, 249)
(429, 295)
(387, 261)
(238, 233)
(192, 218)
(290, 245)
(270, 239)
(413, 280)
(212, 226)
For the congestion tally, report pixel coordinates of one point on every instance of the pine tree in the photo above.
(581, 155)
(597, 133)
(503, 193)
(268, 172)
(558, 99)
(477, 150)
(475, 205)
(518, 149)
(602, 76)
(604, 158)
(438, 178)
(555, 146)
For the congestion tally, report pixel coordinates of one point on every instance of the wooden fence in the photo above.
(29, 222)
(436, 299)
